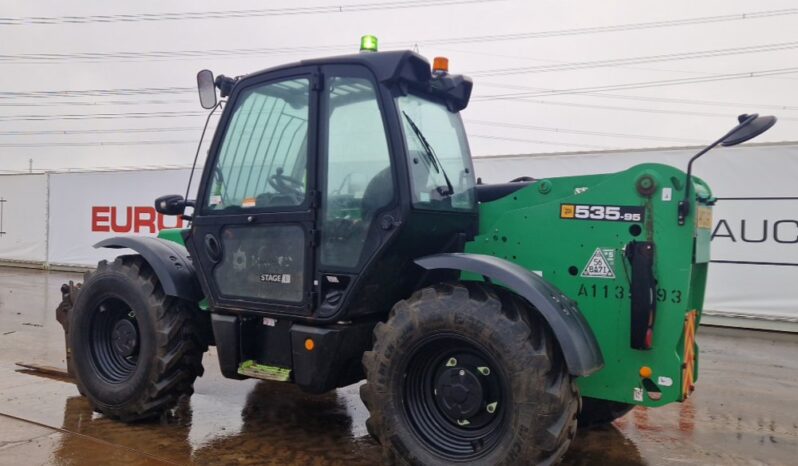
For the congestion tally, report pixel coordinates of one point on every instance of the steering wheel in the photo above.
(285, 184)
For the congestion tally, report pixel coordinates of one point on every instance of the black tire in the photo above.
(412, 381)
(135, 351)
(597, 412)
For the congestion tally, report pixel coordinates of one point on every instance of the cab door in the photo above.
(357, 185)
(253, 232)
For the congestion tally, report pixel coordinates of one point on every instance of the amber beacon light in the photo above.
(440, 65)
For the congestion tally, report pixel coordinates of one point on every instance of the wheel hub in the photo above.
(459, 393)
(454, 396)
(125, 338)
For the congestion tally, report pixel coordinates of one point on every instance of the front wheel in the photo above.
(462, 374)
(134, 350)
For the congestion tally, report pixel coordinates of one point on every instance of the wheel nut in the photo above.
(462, 372)
(491, 408)
(484, 370)
(451, 362)
(463, 422)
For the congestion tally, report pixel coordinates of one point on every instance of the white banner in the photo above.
(755, 232)
(23, 218)
(86, 208)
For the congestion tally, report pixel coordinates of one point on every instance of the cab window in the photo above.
(358, 175)
(262, 162)
(441, 175)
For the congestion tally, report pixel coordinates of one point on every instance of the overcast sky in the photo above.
(532, 48)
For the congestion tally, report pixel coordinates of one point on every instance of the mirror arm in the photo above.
(188, 203)
(684, 205)
(196, 156)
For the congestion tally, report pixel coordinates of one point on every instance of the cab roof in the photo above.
(384, 65)
(401, 66)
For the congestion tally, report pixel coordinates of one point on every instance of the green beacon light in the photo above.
(368, 43)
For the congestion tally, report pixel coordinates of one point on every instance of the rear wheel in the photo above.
(468, 374)
(597, 412)
(134, 350)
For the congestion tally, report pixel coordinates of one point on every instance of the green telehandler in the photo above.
(339, 234)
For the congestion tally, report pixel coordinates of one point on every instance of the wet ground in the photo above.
(745, 410)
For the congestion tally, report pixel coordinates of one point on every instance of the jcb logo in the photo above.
(138, 219)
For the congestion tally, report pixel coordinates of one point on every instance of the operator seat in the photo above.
(378, 194)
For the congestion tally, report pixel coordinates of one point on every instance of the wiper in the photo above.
(431, 156)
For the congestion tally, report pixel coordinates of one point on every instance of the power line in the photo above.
(668, 100)
(773, 47)
(616, 28)
(637, 60)
(475, 122)
(96, 92)
(580, 132)
(68, 132)
(538, 141)
(640, 85)
(516, 95)
(39, 171)
(97, 143)
(233, 53)
(629, 109)
(509, 96)
(525, 100)
(98, 103)
(164, 54)
(171, 142)
(533, 92)
(99, 116)
(630, 67)
(174, 16)
(714, 103)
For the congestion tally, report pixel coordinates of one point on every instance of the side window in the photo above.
(262, 160)
(358, 178)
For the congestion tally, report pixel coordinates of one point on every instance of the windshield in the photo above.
(441, 175)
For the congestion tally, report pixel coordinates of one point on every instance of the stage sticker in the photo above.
(601, 264)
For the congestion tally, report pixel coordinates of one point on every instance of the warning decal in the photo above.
(601, 264)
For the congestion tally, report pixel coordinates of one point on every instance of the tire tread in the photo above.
(560, 397)
(178, 356)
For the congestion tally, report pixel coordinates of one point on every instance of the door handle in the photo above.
(213, 248)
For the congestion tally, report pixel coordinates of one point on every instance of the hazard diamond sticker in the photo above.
(601, 264)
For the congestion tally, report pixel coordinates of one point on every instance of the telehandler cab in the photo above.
(339, 234)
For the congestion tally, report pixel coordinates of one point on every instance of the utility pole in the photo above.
(30, 165)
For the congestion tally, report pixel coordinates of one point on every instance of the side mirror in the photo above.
(171, 204)
(207, 89)
(749, 127)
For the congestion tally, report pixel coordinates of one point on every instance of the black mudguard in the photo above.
(169, 260)
(577, 341)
